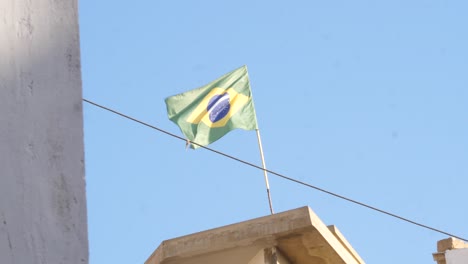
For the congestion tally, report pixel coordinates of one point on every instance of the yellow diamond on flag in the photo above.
(218, 106)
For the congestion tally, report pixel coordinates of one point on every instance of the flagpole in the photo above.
(264, 170)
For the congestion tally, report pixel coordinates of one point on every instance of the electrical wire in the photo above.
(281, 175)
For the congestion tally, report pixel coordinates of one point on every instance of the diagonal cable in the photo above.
(280, 175)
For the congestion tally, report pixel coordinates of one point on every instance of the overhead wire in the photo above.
(279, 174)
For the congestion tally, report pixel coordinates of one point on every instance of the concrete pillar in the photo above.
(270, 255)
(42, 186)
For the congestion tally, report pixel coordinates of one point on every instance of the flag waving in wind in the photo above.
(207, 113)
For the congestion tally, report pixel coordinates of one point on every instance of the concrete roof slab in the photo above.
(298, 234)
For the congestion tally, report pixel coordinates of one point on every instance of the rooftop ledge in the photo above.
(299, 236)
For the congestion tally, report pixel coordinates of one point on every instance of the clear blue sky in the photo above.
(368, 99)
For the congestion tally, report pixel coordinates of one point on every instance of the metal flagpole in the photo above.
(264, 170)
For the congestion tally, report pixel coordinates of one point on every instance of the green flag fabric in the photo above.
(207, 113)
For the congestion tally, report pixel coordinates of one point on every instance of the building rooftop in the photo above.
(299, 236)
(451, 250)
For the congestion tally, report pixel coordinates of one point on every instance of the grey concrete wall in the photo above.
(42, 186)
(457, 256)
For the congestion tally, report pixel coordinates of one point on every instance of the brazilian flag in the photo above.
(207, 113)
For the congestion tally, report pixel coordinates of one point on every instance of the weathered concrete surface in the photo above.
(450, 243)
(42, 186)
(451, 251)
(298, 235)
(459, 256)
